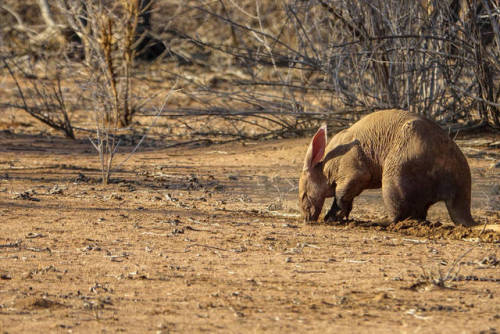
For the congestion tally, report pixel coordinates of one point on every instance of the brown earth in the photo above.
(208, 239)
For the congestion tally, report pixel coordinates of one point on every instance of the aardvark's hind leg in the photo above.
(403, 201)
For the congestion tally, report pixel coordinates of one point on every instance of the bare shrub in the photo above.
(258, 69)
(40, 93)
(108, 34)
(299, 60)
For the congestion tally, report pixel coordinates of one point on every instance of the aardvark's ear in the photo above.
(316, 149)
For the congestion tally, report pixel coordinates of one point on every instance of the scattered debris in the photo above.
(56, 190)
(490, 260)
(81, 178)
(27, 196)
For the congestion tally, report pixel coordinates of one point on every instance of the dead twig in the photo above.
(12, 244)
(38, 250)
(310, 271)
(207, 246)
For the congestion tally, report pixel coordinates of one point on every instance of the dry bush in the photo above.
(296, 60)
(108, 33)
(98, 62)
(265, 68)
(40, 92)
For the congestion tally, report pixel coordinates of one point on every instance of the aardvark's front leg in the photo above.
(342, 201)
(332, 213)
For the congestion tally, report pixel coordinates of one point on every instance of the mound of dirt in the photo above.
(427, 229)
(31, 303)
(436, 230)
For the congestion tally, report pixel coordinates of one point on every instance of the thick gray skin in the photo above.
(410, 157)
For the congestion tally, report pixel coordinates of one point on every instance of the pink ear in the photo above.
(316, 149)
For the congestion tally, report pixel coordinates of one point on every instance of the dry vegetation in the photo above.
(198, 229)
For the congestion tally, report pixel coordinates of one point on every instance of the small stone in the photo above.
(379, 297)
(495, 164)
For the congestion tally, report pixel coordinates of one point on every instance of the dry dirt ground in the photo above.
(207, 239)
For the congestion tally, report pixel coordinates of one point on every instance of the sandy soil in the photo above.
(207, 239)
